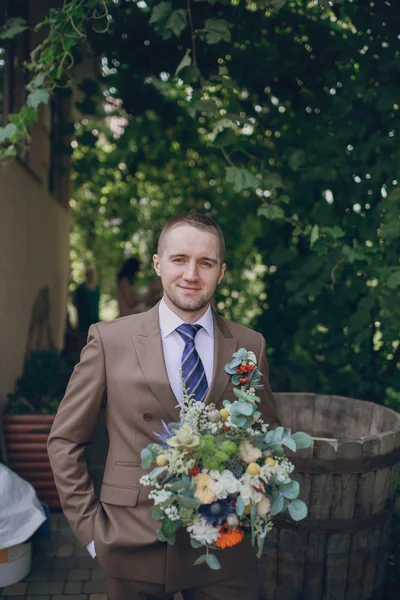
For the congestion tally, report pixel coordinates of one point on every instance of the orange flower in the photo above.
(229, 537)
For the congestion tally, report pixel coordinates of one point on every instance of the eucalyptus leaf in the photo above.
(289, 443)
(213, 562)
(239, 506)
(202, 559)
(302, 440)
(290, 490)
(277, 503)
(147, 458)
(195, 543)
(297, 510)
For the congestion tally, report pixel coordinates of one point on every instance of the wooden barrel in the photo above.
(26, 446)
(348, 480)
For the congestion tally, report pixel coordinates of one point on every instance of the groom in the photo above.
(131, 368)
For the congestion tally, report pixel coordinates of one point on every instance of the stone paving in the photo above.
(61, 570)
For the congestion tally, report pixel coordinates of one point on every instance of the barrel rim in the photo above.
(360, 439)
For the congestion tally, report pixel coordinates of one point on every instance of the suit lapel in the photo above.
(224, 346)
(148, 345)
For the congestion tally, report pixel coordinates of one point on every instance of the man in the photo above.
(132, 367)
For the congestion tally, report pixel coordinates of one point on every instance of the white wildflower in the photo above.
(224, 484)
(203, 532)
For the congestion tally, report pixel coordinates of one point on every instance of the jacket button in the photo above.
(147, 416)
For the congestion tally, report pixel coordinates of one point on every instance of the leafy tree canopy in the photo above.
(281, 120)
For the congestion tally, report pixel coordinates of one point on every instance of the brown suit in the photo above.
(122, 368)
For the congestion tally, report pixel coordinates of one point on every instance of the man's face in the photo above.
(189, 267)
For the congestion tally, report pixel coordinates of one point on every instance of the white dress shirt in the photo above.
(173, 346)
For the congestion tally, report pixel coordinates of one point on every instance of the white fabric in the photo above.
(90, 549)
(21, 513)
(173, 345)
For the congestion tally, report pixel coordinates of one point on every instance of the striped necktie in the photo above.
(194, 375)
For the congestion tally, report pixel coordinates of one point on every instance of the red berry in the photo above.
(238, 371)
(195, 471)
(247, 380)
(226, 427)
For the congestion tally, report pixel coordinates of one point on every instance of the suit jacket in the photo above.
(122, 370)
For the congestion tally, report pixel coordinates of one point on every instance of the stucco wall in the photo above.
(34, 230)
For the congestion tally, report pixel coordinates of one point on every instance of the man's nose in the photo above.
(191, 272)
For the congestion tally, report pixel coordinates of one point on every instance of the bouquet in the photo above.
(221, 474)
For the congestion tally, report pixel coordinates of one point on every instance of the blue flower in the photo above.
(217, 512)
(169, 431)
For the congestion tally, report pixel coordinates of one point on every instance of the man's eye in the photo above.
(178, 260)
(207, 264)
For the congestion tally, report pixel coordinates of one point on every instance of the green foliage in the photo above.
(50, 61)
(42, 384)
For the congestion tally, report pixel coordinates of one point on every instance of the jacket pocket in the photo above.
(119, 496)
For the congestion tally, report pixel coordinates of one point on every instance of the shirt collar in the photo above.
(169, 320)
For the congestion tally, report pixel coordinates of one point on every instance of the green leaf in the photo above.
(302, 440)
(240, 394)
(278, 4)
(157, 471)
(239, 506)
(277, 503)
(314, 235)
(244, 408)
(161, 536)
(40, 96)
(12, 28)
(275, 436)
(160, 13)
(213, 562)
(7, 132)
(241, 179)
(393, 281)
(271, 212)
(207, 106)
(190, 74)
(289, 443)
(290, 490)
(188, 502)
(202, 559)
(195, 543)
(297, 510)
(147, 458)
(216, 30)
(156, 513)
(185, 62)
(176, 23)
(225, 138)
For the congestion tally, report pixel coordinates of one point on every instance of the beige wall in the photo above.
(34, 230)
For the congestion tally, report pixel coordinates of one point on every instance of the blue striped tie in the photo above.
(194, 375)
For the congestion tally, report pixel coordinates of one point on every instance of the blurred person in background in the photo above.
(87, 300)
(130, 301)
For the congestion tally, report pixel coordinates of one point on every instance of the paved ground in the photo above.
(62, 570)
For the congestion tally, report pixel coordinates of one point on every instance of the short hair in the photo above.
(197, 220)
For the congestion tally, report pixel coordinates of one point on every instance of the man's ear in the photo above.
(221, 275)
(156, 264)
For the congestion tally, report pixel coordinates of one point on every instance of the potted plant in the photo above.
(29, 417)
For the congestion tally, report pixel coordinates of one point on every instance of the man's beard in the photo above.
(181, 305)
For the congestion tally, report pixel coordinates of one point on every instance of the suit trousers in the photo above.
(241, 587)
